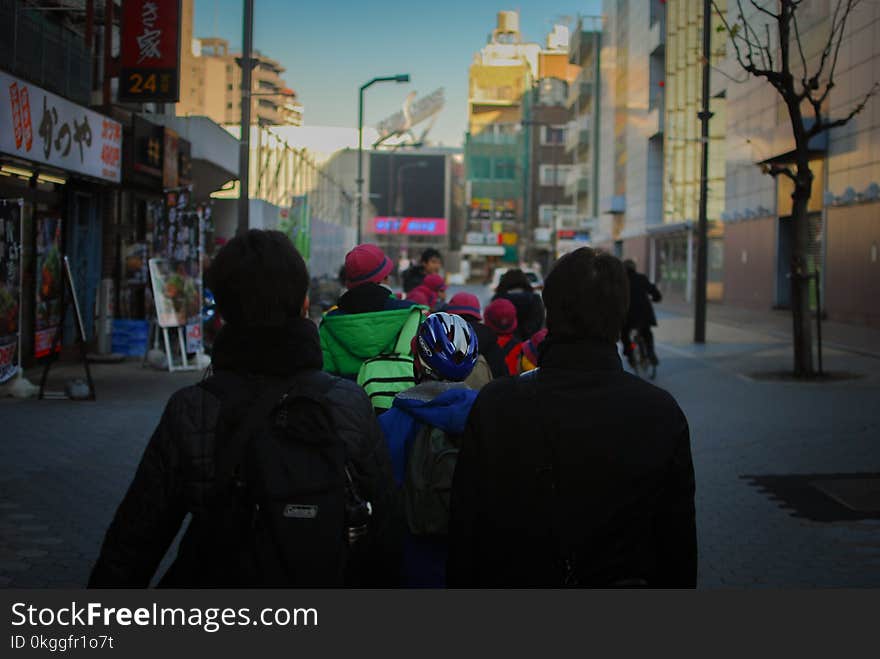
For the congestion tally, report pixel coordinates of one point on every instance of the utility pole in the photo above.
(245, 138)
(702, 222)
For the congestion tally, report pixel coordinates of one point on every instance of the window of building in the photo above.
(562, 212)
(505, 169)
(551, 135)
(481, 168)
(229, 106)
(554, 174)
(229, 86)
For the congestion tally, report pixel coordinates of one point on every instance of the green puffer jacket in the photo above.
(348, 340)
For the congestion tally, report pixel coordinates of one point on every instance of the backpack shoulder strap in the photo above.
(409, 329)
(509, 347)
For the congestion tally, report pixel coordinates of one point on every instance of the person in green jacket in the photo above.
(368, 322)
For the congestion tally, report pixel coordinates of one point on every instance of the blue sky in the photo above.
(332, 47)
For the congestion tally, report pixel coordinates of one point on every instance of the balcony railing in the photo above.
(578, 181)
(579, 93)
(577, 133)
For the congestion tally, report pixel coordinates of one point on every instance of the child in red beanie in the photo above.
(500, 317)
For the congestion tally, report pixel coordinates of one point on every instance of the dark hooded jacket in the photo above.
(577, 461)
(529, 311)
(641, 293)
(175, 477)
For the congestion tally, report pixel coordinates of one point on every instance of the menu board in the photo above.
(176, 270)
(49, 280)
(10, 286)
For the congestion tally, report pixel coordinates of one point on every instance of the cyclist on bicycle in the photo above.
(641, 313)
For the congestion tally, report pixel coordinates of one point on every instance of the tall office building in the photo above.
(502, 72)
(547, 161)
(631, 143)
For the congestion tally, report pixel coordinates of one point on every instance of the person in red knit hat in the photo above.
(500, 317)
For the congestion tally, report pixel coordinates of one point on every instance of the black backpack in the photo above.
(286, 511)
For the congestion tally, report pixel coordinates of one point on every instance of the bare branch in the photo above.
(805, 90)
(821, 126)
(775, 17)
(746, 62)
(767, 45)
(779, 170)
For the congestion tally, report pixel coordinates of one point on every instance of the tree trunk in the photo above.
(799, 275)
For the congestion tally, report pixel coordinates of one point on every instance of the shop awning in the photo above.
(214, 153)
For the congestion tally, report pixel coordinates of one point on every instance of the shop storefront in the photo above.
(64, 162)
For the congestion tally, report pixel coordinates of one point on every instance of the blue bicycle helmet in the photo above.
(446, 347)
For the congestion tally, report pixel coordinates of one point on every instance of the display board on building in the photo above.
(483, 208)
(150, 51)
(49, 282)
(10, 286)
(412, 185)
(410, 226)
(46, 129)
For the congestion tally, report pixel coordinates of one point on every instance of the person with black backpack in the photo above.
(281, 467)
(577, 473)
(423, 429)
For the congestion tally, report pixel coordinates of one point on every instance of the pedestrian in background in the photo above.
(431, 263)
(515, 287)
(501, 319)
(366, 336)
(577, 473)
(641, 316)
(423, 429)
(432, 289)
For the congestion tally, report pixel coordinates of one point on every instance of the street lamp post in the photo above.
(244, 145)
(402, 77)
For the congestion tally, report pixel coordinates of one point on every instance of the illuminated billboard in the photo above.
(408, 193)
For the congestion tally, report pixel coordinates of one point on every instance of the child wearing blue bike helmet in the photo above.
(423, 429)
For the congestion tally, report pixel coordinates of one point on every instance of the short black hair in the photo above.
(431, 253)
(258, 280)
(586, 296)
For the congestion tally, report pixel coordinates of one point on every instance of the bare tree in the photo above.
(785, 65)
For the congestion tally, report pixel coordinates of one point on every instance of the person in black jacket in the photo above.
(515, 286)
(577, 473)
(431, 263)
(260, 284)
(641, 315)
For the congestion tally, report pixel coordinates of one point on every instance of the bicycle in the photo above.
(638, 356)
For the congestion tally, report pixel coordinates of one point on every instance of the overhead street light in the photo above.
(399, 78)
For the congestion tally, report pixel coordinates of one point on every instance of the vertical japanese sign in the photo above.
(176, 272)
(10, 286)
(44, 128)
(150, 51)
(50, 279)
